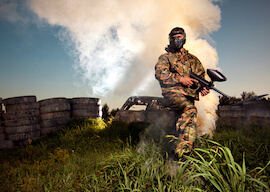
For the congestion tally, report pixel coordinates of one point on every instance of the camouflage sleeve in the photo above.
(163, 73)
(199, 69)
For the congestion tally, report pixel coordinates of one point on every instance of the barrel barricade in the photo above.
(85, 107)
(2, 128)
(1, 111)
(54, 114)
(252, 113)
(21, 119)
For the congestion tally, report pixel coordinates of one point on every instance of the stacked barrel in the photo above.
(54, 113)
(21, 119)
(24, 119)
(2, 129)
(86, 107)
(3, 142)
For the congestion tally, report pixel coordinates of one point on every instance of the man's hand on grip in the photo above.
(204, 91)
(187, 81)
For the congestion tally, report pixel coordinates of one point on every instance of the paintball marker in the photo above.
(214, 75)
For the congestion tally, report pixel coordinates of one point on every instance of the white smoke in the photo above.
(117, 42)
(8, 10)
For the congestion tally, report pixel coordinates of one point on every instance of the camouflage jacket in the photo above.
(172, 66)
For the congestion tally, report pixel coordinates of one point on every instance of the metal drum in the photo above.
(86, 107)
(54, 113)
(21, 119)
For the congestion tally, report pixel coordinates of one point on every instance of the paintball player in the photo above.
(172, 71)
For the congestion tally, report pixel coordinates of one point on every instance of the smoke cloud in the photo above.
(116, 43)
(9, 11)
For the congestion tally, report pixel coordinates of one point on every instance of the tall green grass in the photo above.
(216, 167)
(252, 141)
(91, 155)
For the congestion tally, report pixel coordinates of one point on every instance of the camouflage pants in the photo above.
(186, 123)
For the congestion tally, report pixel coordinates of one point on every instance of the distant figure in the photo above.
(172, 71)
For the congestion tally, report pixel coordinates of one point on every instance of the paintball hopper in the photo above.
(215, 75)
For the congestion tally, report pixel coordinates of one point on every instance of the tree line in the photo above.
(244, 96)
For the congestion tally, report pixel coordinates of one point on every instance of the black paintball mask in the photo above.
(175, 43)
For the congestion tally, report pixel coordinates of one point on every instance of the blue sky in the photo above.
(33, 61)
(243, 46)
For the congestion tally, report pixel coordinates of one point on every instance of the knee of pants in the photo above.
(190, 109)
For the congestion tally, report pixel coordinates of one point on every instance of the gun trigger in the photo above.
(195, 87)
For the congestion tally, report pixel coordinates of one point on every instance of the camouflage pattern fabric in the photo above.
(172, 66)
(186, 129)
(168, 71)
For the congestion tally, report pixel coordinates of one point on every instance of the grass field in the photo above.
(91, 155)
